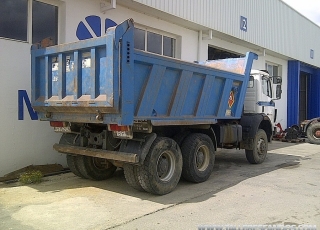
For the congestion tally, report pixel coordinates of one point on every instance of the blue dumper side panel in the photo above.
(104, 80)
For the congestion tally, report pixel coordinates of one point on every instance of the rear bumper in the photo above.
(99, 153)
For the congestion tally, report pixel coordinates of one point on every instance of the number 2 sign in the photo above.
(243, 23)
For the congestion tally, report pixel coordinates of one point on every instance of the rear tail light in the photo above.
(114, 127)
(59, 124)
(122, 132)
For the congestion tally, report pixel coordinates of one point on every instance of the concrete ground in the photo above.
(284, 190)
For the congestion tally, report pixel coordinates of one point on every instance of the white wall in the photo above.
(85, 8)
(23, 142)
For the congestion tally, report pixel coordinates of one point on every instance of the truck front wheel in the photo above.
(313, 133)
(260, 148)
(198, 157)
(161, 169)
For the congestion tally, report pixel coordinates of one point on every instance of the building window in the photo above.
(14, 19)
(154, 42)
(273, 70)
(216, 54)
(139, 39)
(44, 22)
(168, 46)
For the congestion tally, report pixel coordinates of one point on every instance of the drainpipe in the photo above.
(201, 37)
(199, 45)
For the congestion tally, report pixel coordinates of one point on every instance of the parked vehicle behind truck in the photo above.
(158, 118)
(311, 129)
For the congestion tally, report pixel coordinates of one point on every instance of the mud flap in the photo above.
(139, 145)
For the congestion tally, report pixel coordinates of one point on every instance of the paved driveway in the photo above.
(284, 190)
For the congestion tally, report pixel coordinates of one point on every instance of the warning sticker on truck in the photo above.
(231, 99)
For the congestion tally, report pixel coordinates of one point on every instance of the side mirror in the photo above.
(277, 80)
(278, 92)
(251, 82)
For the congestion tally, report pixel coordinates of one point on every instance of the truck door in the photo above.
(259, 95)
(265, 100)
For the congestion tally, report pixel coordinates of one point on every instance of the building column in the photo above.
(293, 93)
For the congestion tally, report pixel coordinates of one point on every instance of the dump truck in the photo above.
(158, 118)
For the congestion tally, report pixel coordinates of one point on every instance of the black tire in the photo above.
(71, 139)
(198, 157)
(95, 168)
(260, 148)
(179, 137)
(161, 170)
(71, 162)
(313, 133)
(130, 173)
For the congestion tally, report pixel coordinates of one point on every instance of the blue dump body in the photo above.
(105, 80)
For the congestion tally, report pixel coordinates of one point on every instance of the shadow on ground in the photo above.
(231, 168)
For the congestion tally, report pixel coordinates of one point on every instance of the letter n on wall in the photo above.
(23, 96)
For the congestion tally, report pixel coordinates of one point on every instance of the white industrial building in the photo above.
(286, 42)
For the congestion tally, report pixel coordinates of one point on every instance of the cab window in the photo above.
(266, 87)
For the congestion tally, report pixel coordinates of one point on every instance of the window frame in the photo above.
(27, 25)
(278, 71)
(273, 67)
(61, 17)
(163, 34)
(56, 18)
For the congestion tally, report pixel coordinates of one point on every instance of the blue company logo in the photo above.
(89, 28)
(23, 96)
(92, 27)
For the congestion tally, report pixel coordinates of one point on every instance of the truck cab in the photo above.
(262, 90)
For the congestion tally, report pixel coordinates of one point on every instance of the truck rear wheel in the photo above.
(179, 137)
(71, 162)
(130, 173)
(161, 169)
(198, 157)
(313, 133)
(71, 139)
(260, 148)
(95, 168)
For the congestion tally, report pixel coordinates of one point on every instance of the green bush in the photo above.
(31, 177)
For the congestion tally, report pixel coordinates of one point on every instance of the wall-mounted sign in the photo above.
(92, 27)
(243, 23)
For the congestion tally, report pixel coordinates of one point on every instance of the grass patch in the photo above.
(31, 177)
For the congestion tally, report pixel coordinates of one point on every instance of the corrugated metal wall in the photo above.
(271, 24)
